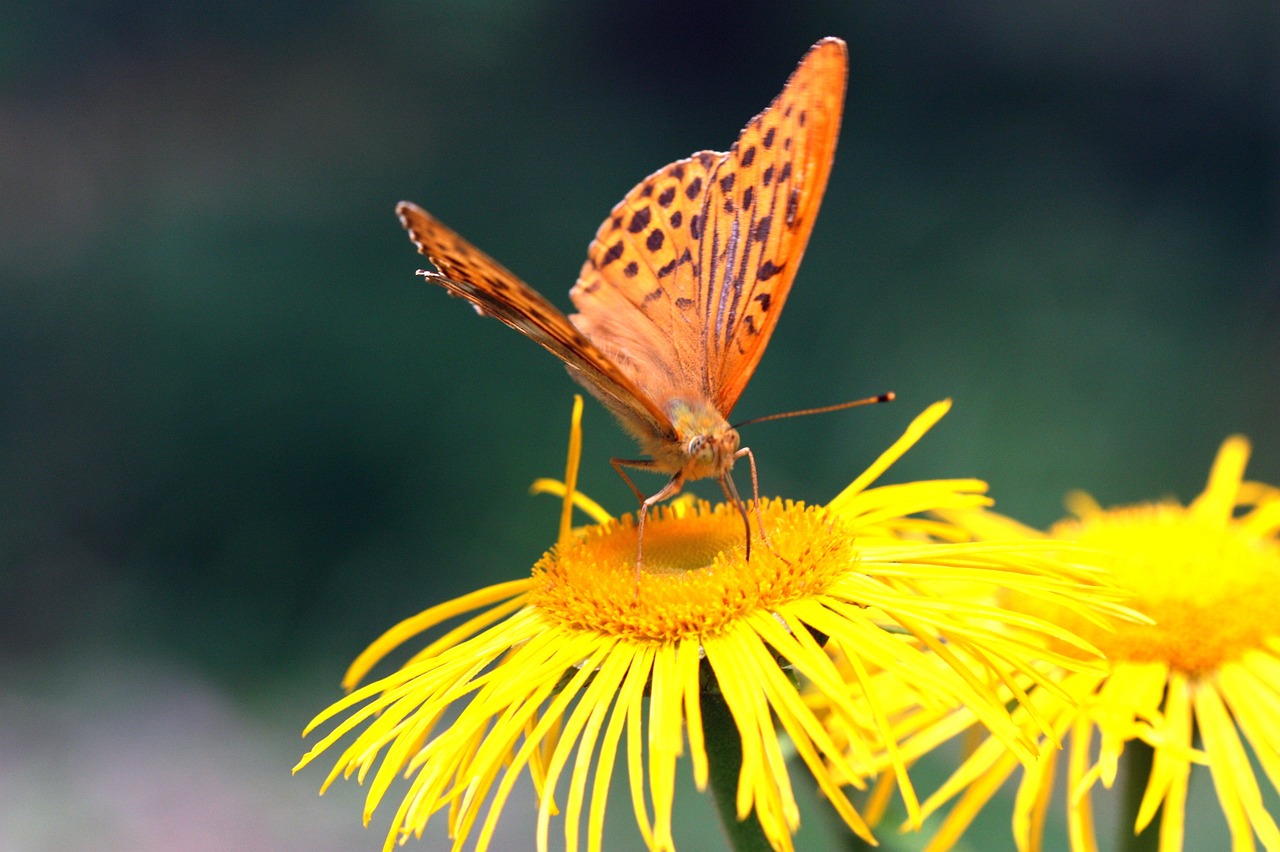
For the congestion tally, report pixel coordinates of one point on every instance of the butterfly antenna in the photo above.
(840, 406)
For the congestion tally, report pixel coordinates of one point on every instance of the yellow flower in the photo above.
(1198, 685)
(560, 671)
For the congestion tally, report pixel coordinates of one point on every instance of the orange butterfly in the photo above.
(683, 283)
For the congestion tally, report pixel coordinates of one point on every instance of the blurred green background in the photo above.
(239, 438)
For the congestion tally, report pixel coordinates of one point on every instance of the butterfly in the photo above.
(682, 286)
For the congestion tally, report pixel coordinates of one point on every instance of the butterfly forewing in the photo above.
(468, 272)
(762, 201)
(685, 280)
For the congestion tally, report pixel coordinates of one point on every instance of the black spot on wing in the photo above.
(640, 220)
(767, 270)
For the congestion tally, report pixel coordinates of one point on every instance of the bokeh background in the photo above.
(239, 438)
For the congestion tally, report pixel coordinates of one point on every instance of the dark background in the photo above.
(239, 438)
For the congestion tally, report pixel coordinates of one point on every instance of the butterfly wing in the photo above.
(761, 205)
(685, 280)
(468, 272)
(636, 292)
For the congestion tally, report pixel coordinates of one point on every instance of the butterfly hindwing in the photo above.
(637, 292)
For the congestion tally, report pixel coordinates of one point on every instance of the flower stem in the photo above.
(724, 762)
(1138, 758)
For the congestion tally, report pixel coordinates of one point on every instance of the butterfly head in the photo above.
(708, 444)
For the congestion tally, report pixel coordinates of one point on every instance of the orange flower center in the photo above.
(695, 578)
(1212, 589)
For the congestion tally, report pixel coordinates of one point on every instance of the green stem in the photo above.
(1138, 758)
(724, 762)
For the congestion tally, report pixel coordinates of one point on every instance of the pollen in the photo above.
(695, 579)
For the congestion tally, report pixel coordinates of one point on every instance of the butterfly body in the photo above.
(705, 444)
(683, 283)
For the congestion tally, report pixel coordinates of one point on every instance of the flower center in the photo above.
(1213, 590)
(695, 578)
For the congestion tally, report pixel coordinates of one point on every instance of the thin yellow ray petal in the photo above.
(494, 759)
(873, 809)
(812, 743)
(665, 741)
(808, 658)
(1263, 522)
(546, 656)
(589, 704)
(635, 678)
(1081, 504)
(582, 502)
(516, 628)
(635, 755)
(1170, 769)
(427, 619)
(1031, 804)
(408, 740)
(730, 677)
(1219, 498)
(1265, 668)
(1256, 709)
(889, 504)
(914, 432)
(510, 718)
(976, 795)
(572, 460)
(1134, 689)
(896, 761)
(955, 680)
(1079, 802)
(598, 697)
(991, 761)
(1233, 777)
(688, 664)
(767, 788)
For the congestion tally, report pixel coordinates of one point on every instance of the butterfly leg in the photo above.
(638, 464)
(755, 501)
(731, 492)
(671, 489)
